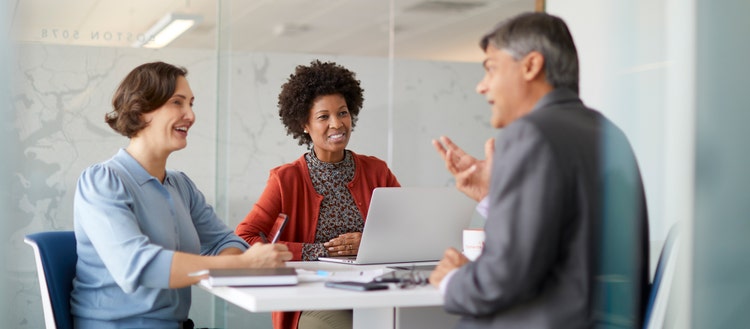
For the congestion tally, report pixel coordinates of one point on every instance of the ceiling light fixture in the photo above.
(166, 30)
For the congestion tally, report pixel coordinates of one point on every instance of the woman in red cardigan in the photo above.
(326, 192)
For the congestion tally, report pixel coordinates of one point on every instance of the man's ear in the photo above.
(533, 66)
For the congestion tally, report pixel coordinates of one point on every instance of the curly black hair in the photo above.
(308, 83)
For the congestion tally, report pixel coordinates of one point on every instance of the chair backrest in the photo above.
(55, 254)
(662, 285)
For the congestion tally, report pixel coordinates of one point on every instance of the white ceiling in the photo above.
(424, 29)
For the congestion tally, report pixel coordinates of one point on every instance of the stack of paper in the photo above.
(280, 276)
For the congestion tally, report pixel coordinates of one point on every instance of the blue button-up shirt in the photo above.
(128, 226)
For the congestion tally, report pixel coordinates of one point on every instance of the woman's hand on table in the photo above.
(344, 244)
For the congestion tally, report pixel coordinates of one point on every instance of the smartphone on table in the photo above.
(356, 285)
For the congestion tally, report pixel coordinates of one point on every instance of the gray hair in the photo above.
(544, 33)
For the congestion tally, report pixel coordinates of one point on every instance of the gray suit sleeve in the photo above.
(522, 239)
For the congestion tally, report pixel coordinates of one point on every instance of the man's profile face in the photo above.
(502, 86)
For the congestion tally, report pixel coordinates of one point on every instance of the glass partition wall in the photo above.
(418, 62)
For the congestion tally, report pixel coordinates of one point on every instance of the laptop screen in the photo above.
(412, 224)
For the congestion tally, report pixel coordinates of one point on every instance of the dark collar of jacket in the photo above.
(556, 97)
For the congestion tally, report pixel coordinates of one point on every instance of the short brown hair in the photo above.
(144, 89)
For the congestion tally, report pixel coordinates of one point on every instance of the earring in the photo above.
(305, 131)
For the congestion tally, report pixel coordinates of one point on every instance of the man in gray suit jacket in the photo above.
(567, 227)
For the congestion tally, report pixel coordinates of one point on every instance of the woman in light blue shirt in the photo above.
(142, 229)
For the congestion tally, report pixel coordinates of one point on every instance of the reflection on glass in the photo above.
(110, 23)
(332, 27)
(445, 30)
(449, 30)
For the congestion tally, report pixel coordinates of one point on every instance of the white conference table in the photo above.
(415, 307)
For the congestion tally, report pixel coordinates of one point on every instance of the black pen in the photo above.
(263, 236)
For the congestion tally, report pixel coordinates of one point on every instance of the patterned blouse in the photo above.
(338, 212)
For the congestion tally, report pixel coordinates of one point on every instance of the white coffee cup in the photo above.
(473, 242)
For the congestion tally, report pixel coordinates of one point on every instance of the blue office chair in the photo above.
(660, 288)
(56, 257)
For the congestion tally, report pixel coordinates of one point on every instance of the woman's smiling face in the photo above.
(168, 125)
(329, 126)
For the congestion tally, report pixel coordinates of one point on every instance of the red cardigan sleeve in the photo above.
(290, 191)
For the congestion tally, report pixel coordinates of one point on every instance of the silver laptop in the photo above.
(411, 224)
